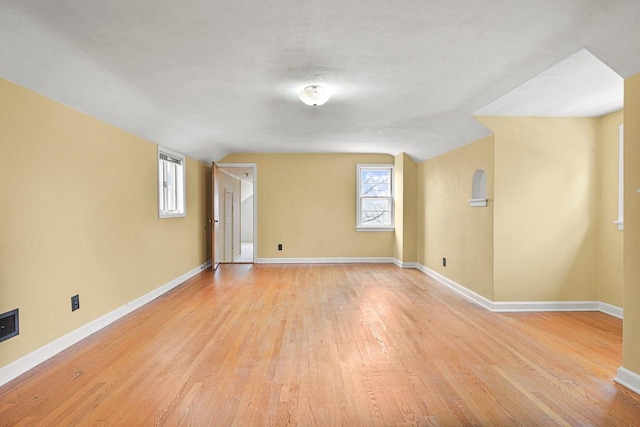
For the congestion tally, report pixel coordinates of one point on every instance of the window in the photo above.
(375, 198)
(620, 220)
(171, 184)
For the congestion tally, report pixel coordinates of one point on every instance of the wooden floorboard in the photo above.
(329, 345)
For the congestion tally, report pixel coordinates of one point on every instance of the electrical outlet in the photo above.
(444, 262)
(279, 246)
(75, 302)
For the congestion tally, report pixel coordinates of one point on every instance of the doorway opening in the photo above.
(236, 237)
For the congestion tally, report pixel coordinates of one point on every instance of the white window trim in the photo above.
(359, 226)
(183, 213)
(620, 220)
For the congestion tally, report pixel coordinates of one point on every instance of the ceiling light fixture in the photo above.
(314, 95)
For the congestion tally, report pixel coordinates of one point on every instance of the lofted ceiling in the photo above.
(578, 86)
(208, 78)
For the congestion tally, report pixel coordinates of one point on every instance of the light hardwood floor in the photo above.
(329, 345)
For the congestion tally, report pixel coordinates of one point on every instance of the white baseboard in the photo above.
(530, 306)
(523, 306)
(629, 379)
(611, 310)
(33, 359)
(467, 293)
(343, 260)
(402, 264)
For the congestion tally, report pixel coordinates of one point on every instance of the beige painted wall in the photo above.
(307, 202)
(81, 217)
(406, 208)
(545, 234)
(631, 324)
(610, 241)
(398, 207)
(448, 226)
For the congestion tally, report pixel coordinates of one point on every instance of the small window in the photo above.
(171, 184)
(620, 220)
(375, 198)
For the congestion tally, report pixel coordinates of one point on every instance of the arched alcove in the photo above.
(479, 189)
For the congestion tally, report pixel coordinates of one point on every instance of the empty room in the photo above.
(320, 213)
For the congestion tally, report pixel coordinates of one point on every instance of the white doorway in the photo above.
(237, 239)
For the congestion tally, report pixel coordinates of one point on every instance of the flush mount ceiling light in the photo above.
(314, 95)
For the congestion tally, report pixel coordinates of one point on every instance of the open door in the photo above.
(215, 214)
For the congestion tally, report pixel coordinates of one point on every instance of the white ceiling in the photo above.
(578, 86)
(241, 173)
(208, 78)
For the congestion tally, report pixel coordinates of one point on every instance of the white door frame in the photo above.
(254, 167)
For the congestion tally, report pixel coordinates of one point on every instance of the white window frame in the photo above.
(180, 184)
(370, 227)
(620, 221)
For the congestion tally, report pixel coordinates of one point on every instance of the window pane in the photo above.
(171, 192)
(165, 191)
(376, 211)
(376, 205)
(376, 218)
(171, 187)
(179, 188)
(171, 177)
(375, 182)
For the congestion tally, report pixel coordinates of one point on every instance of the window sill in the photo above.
(375, 229)
(478, 203)
(172, 215)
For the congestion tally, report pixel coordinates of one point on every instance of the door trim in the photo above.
(254, 167)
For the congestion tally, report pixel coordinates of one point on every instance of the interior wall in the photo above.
(307, 203)
(405, 208)
(246, 232)
(631, 324)
(410, 213)
(229, 184)
(448, 227)
(545, 234)
(398, 206)
(81, 217)
(610, 239)
(246, 217)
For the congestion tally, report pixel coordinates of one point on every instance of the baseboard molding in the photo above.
(33, 359)
(467, 293)
(402, 264)
(628, 379)
(530, 306)
(343, 260)
(611, 310)
(523, 306)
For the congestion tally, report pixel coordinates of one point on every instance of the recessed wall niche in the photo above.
(479, 189)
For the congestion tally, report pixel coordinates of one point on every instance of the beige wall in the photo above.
(80, 217)
(448, 226)
(545, 234)
(610, 239)
(406, 209)
(398, 177)
(631, 325)
(307, 202)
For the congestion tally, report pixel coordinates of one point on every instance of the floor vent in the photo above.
(9, 326)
